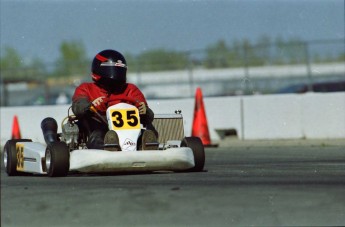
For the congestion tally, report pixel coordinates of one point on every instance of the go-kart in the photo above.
(69, 153)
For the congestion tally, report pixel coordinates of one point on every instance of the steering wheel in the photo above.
(116, 99)
(124, 98)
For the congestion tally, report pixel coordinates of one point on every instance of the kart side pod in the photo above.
(24, 156)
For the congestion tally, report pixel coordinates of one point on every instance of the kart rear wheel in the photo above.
(10, 156)
(198, 151)
(57, 159)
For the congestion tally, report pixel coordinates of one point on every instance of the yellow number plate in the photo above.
(20, 157)
(125, 119)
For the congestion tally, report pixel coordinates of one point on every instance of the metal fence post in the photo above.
(308, 66)
(246, 71)
(190, 75)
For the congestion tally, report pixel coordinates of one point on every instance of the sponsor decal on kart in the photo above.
(129, 145)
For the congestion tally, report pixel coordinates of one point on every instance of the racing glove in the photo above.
(100, 103)
(147, 118)
(82, 106)
(142, 108)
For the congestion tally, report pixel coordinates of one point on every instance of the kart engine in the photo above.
(70, 134)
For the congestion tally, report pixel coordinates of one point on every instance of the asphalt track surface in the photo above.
(241, 186)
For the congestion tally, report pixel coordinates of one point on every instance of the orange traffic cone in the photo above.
(200, 126)
(15, 128)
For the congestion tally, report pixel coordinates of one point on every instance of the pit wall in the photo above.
(292, 116)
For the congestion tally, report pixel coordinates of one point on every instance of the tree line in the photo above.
(73, 60)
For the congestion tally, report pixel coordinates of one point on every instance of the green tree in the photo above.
(160, 59)
(291, 51)
(296, 51)
(220, 55)
(253, 54)
(263, 50)
(72, 60)
(132, 62)
(35, 69)
(341, 58)
(14, 69)
(10, 62)
(217, 55)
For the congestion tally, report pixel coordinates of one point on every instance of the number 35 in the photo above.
(125, 119)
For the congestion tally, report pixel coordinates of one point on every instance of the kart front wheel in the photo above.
(198, 152)
(10, 156)
(57, 159)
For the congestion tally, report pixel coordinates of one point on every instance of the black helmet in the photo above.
(109, 68)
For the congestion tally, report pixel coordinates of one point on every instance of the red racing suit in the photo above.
(87, 92)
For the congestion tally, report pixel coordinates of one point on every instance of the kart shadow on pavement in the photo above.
(132, 173)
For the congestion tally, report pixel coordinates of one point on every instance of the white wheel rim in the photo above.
(5, 158)
(48, 159)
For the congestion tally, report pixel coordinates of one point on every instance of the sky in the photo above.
(36, 28)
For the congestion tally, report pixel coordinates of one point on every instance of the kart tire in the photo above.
(198, 152)
(10, 156)
(57, 159)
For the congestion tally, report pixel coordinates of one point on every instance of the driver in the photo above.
(108, 71)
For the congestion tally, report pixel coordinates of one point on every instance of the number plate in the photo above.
(20, 157)
(124, 119)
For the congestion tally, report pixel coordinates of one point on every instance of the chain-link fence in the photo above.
(295, 67)
(267, 68)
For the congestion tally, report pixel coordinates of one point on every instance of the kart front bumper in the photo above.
(92, 160)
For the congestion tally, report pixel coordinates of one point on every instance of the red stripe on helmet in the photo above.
(95, 77)
(101, 58)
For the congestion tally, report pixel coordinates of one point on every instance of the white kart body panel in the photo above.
(172, 159)
(31, 157)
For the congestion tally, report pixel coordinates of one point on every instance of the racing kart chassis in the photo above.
(58, 158)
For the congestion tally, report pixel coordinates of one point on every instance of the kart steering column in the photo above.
(94, 110)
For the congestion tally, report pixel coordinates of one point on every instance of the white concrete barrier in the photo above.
(29, 119)
(272, 117)
(292, 116)
(223, 113)
(323, 116)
